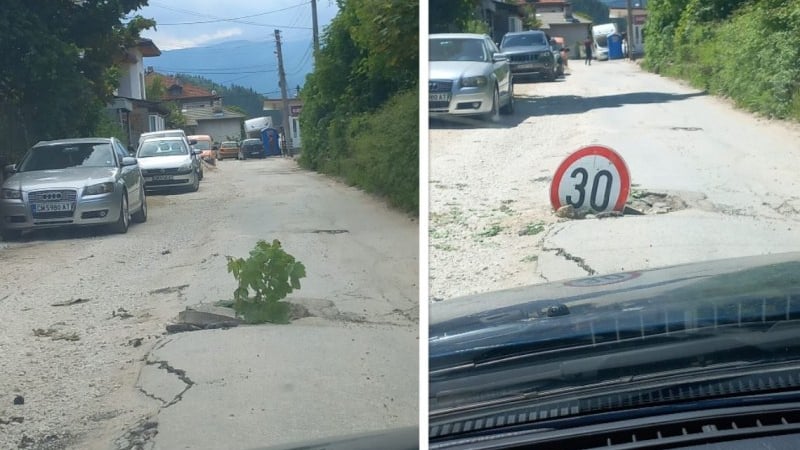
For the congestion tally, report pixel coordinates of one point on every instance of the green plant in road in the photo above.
(532, 228)
(492, 231)
(265, 278)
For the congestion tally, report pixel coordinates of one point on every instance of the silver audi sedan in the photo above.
(72, 182)
(468, 75)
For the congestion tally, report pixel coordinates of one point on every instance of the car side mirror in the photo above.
(9, 170)
(129, 161)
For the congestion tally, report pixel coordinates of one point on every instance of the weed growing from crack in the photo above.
(532, 229)
(271, 274)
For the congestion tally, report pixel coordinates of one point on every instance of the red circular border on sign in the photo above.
(599, 150)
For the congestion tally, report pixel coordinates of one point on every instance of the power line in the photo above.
(303, 60)
(221, 19)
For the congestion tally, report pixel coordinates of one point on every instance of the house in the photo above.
(130, 108)
(203, 109)
(216, 121)
(273, 107)
(557, 20)
(500, 17)
(639, 15)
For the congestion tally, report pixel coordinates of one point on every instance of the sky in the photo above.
(197, 23)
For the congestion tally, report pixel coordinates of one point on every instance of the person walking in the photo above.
(587, 46)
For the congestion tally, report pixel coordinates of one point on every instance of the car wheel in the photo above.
(11, 235)
(196, 183)
(140, 216)
(494, 114)
(509, 107)
(124, 219)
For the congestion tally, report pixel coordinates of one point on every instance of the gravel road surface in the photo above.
(713, 182)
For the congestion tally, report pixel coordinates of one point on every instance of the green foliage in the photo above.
(476, 26)
(530, 21)
(747, 51)
(449, 16)
(107, 127)
(368, 57)
(57, 65)
(267, 276)
(384, 151)
(595, 10)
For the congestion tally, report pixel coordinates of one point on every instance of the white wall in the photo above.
(131, 83)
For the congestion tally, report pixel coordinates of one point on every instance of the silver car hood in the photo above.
(163, 162)
(73, 177)
(453, 70)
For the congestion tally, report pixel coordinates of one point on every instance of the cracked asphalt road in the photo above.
(730, 180)
(102, 374)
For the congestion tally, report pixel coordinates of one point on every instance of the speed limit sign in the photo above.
(593, 179)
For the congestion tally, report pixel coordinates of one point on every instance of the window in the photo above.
(156, 122)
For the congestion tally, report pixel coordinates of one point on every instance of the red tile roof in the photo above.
(187, 91)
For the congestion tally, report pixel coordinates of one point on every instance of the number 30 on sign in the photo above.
(593, 179)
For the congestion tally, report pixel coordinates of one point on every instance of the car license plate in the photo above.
(441, 97)
(525, 66)
(52, 207)
(161, 177)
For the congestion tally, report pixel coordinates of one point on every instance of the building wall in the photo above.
(220, 129)
(131, 83)
(572, 33)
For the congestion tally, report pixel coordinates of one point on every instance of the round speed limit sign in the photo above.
(593, 179)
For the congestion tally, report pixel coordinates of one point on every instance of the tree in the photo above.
(58, 65)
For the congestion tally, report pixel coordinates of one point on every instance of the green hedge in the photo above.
(377, 151)
(750, 55)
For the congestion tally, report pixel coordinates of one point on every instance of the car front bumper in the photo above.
(461, 101)
(91, 210)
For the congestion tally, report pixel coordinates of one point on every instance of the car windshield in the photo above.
(63, 156)
(162, 147)
(458, 50)
(203, 145)
(524, 40)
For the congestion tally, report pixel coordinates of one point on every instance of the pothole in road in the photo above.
(640, 202)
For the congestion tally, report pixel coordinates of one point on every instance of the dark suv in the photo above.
(530, 54)
(252, 148)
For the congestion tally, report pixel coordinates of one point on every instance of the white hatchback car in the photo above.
(168, 163)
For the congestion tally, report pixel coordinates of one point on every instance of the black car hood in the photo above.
(524, 49)
(395, 439)
(557, 315)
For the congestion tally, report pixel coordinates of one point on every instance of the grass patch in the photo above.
(532, 229)
(492, 231)
(530, 258)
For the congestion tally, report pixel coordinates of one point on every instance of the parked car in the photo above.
(252, 148)
(174, 133)
(168, 163)
(228, 149)
(530, 54)
(468, 76)
(702, 355)
(205, 144)
(73, 182)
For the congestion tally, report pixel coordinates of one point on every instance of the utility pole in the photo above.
(314, 25)
(630, 30)
(285, 113)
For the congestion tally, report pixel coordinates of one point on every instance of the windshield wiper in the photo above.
(534, 372)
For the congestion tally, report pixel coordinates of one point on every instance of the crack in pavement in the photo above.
(180, 373)
(576, 259)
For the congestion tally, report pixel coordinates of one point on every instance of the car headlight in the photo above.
(186, 168)
(100, 188)
(473, 81)
(546, 55)
(14, 194)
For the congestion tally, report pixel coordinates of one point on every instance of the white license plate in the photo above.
(525, 66)
(162, 177)
(52, 207)
(440, 97)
